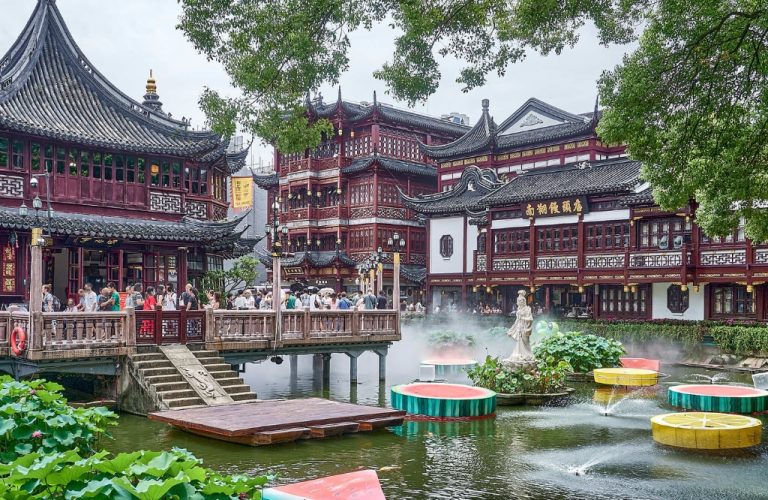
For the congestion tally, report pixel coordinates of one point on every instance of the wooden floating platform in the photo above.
(719, 398)
(279, 421)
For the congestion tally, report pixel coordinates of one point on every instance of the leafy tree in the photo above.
(690, 102)
(243, 273)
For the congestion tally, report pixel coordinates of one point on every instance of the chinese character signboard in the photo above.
(91, 242)
(242, 193)
(574, 205)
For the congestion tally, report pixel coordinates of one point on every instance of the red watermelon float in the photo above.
(718, 398)
(360, 485)
(642, 363)
(444, 400)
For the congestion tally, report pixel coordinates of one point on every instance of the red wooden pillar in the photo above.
(580, 258)
(182, 270)
(120, 285)
(532, 250)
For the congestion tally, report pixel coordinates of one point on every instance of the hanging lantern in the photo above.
(626, 288)
(684, 288)
(750, 288)
(581, 289)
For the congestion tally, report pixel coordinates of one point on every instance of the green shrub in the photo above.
(136, 475)
(547, 376)
(584, 352)
(451, 338)
(741, 340)
(689, 333)
(34, 416)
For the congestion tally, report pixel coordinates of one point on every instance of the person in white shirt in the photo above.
(240, 302)
(250, 302)
(169, 299)
(90, 300)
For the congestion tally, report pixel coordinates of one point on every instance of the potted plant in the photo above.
(584, 352)
(539, 384)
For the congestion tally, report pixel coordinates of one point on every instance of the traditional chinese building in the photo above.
(575, 224)
(136, 196)
(341, 200)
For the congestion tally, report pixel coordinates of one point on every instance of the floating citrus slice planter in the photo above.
(630, 377)
(642, 363)
(444, 400)
(706, 431)
(449, 366)
(725, 398)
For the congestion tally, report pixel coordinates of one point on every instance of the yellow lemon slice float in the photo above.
(631, 377)
(706, 431)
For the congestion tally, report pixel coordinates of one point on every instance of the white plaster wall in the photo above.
(472, 234)
(659, 310)
(453, 226)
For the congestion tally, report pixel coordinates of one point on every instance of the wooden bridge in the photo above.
(93, 342)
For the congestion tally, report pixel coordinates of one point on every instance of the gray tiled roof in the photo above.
(219, 233)
(606, 176)
(49, 88)
(391, 164)
(314, 258)
(354, 112)
(486, 137)
(266, 181)
(644, 197)
(471, 188)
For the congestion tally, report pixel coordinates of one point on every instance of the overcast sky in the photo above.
(124, 39)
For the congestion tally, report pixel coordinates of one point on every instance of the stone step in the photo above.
(149, 372)
(177, 394)
(243, 396)
(205, 353)
(213, 360)
(237, 389)
(214, 367)
(143, 365)
(217, 374)
(183, 402)
(162, 379)
(224, 382)
(171, 386)
(149, 356)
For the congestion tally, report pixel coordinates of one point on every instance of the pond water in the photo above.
(574, 451)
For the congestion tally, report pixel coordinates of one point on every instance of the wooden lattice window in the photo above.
(446, 246)
(677, 299)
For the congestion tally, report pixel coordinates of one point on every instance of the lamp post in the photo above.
(276, 232)
(396, 244)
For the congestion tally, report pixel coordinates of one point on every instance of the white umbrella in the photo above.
(327, 291)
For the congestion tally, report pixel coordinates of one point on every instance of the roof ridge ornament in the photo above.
(151, 98)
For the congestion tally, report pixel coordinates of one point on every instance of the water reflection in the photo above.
(574, 451)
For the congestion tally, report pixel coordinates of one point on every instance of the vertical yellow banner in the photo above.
(242, 193)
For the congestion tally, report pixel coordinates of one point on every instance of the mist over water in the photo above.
(575, 451)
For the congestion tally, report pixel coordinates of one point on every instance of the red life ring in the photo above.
(18, 341)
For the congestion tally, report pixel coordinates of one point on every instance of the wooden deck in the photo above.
(279, 421)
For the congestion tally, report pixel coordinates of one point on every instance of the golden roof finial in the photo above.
(151, 86)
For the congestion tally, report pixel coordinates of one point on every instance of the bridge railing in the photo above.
(76, 335)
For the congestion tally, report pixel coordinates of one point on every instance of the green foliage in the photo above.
(34, 416)
(451, 338)
(547, 376)
(741, 340)
(146, 475)
(689, 333)
(690, 102)
(584, 352)
(243, 273)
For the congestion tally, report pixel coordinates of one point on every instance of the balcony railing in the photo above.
(88, 335)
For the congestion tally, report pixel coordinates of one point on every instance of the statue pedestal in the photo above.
(515, 363)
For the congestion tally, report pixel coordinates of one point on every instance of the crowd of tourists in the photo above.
(308, 299)
(164, 297)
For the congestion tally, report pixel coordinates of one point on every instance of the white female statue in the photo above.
(521, 332)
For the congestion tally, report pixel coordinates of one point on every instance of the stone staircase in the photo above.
(227, 378)
(170, 390)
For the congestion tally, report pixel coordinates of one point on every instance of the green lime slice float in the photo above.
(718, 398)
(444, 400)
